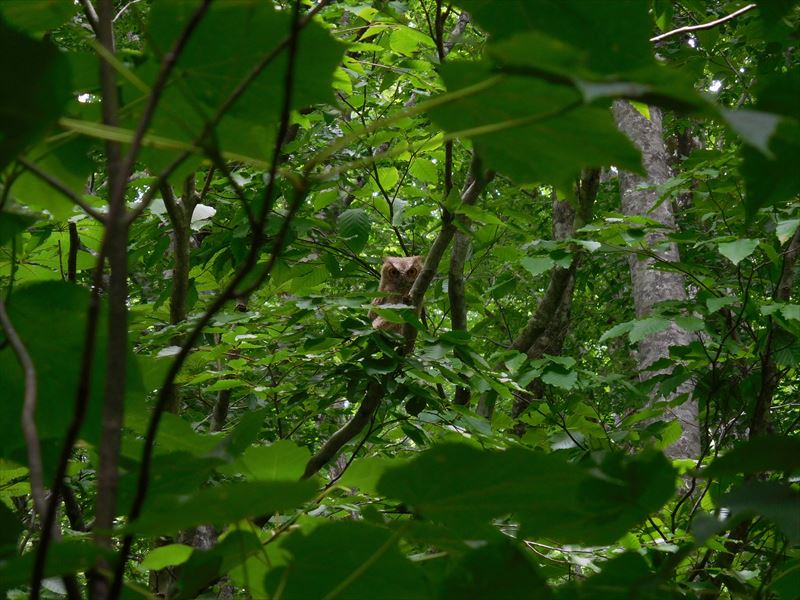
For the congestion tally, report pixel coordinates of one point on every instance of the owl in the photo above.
(397, 276)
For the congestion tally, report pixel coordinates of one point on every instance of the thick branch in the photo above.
(370, 403)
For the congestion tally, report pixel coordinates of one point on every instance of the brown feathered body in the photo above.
(398, 274)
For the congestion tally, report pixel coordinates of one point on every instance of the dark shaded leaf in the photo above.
(222, 504)
(768, 453)
(495, 571)
(366, 564)
(41, 90)
(462, 487)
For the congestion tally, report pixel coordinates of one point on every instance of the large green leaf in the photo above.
(68, 161)
(50, 317)
(611, 34)
(36, 17)
(625, 576)
(63, 558)
(767, 453)
(229, 42)
(777, 502)
(206, 566)
(495, 571)
(281, 461)
(347, 560)
(10, 528)
(222, 504)
(532, 130)
(462, 487)
(41, 88)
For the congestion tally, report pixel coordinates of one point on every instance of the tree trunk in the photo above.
(650, 286)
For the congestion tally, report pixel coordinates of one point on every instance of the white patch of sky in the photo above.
(715, 86)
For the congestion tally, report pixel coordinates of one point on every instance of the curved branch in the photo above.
(28, 413)
(701, 26)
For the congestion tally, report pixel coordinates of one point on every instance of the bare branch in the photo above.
(91, 15)
(350, 430)
(701, 26)
(58, 185)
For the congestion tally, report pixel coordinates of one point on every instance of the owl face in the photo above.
(402, 271)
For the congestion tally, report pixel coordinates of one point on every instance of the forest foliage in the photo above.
(196, 197)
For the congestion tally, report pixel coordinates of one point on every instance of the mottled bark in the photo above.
(650, 286)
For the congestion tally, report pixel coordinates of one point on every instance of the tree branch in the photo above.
(701, 26)
(28, 413)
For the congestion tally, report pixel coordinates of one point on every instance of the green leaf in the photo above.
(532, 130)
(10, 528)
(537, 265)
(612, 40)
(229, 42)
(50, 317)
(616, 331)
(716, 303)
(406, 40)
(560, 377)
(756, 128)
(36, 17)
(68, 162)
(464, 487)
(424, 170)
(166, 556)
(768, 453)
(222, 504)
(12, 224)
(63, 558)
(774, 501)
(624, 576)
(206, 566)
(645, 327)
(388, 177)
(364, 473)
(738, 250)
(354, 227)
(283, 460)
(498, 570)
(366, 564)
(475, 213)
(40, 76)
(785, 229)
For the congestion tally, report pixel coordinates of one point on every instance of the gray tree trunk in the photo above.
(650, 285)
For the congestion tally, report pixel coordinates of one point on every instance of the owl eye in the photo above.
(412, 271)
(392, 271)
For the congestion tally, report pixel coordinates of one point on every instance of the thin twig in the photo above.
(61, 187)
(701, 26)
